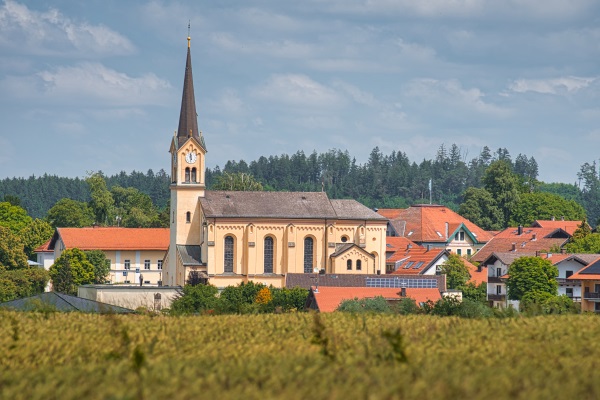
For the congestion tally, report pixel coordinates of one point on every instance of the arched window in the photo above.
(349, 265)
(187, 175)
(194, 175)
(358, 265)
(268, 255)
(188, 217)
(308, 255)
(228, 255)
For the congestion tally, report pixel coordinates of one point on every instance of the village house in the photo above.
(436, 226)
(589, 277)
(133, 252)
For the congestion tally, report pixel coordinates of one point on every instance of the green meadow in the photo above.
(297, 356)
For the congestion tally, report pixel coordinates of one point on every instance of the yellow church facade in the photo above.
(230, 237)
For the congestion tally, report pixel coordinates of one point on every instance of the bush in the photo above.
(289, 299)
(407, 306)
(373, 305)
(195, 299)
(541, 303)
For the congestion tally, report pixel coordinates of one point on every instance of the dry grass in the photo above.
(297, 356)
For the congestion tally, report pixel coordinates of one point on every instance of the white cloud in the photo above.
(298, 90)
(285, 48)
(452, 95)
(568, 84)
(32, 32)
(87, 83)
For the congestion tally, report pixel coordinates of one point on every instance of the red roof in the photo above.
(112, 238)
(44, 248)
(427, 223)
(477, 277)
(420, 257)
(395, 243)
(329, 298)
(568, 226)
(582, 276)
(390, 213)
(531, 240)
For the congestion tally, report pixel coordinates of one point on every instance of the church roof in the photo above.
(304, 205)
(188, 118)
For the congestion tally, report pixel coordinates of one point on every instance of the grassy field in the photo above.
(297, 356)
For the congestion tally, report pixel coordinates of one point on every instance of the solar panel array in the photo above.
(402, 282)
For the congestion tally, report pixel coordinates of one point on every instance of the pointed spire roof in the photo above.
(188, 118)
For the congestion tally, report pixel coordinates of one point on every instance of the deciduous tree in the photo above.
(529, 274)
(457, 273)
(70, 213)
(12, 217)
(71, 270)
(12, 254)
(35, 234)
(238, 182)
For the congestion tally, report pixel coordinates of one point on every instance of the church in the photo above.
(230, 237)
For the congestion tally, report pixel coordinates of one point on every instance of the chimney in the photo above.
(520, 230)
(447, 229)
(408, 246)
(514, 247)
(403, 291)
(534, 237)
(562, 251)
(428, 247)
(552, 219)
(479, 268)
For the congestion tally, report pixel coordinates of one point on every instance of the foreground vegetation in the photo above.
(297, 356)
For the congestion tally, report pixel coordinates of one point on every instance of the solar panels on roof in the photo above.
(399, 283)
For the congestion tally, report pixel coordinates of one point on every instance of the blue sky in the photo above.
(96, 85)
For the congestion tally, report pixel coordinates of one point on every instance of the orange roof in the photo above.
(420, 257)
(568, 226)
(593, 275)
(427, 223)
(395, 243)
(112, 238)
(44, 248)
(531, 240)
(477, 277)
(328, 298)
(390, 213)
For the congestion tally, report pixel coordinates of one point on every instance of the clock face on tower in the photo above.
(190, 157)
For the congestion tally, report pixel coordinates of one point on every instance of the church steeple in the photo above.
(188, 118)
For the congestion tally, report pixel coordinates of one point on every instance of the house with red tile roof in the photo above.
(133, 252)
(523, 240)
(568, 226)
(328, 299)
(589, 278)
(436, 226)
(416, 260)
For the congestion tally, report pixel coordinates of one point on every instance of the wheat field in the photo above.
(297, 356)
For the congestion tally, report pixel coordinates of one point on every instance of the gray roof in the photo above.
(305, 205)
(190, 254)
(64, 303)
(352, 209)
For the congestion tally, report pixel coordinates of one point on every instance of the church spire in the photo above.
(188, 118)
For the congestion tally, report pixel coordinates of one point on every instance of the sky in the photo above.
(96, 85)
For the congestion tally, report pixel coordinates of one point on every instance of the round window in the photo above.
(344, 239)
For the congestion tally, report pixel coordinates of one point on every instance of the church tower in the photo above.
(188, 151)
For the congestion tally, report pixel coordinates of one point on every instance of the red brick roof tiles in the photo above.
(427, 223)
(568, 226)
(112, 238)
(419, 257)
(44, 248)
(329, 298)
(477, 277)
(531, 240)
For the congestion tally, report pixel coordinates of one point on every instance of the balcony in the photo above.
(495, 279)
(592, 296)
(496, 297)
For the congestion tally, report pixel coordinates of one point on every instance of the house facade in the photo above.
(231, 237)
(133, 252)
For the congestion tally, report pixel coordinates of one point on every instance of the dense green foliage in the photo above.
(238, 181)
(246, 298)
(18, 283)
(68, 213)
(101, 264)
(35, 234)
(12, 255)
(544, 206)
(457, 273)
(13, 217)
(540, 303)
(73, 269)
(531, 274)
(82, 356)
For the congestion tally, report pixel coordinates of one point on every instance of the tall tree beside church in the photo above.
(68, 213)
(102, 200)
